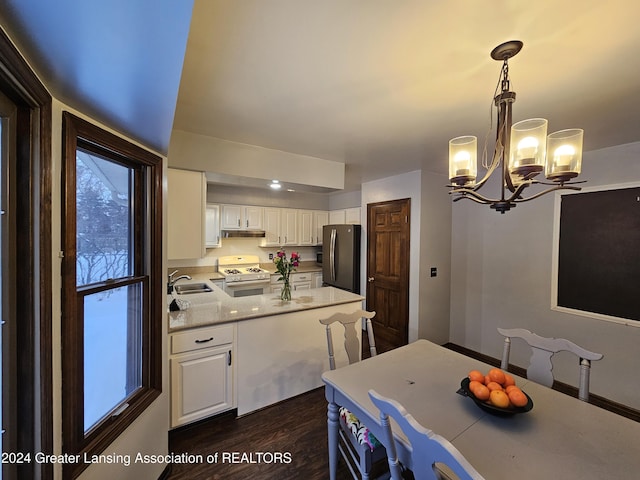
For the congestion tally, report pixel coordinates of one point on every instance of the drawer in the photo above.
(201, 338)
(300, 277)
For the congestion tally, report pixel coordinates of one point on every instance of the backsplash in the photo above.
(242, 246)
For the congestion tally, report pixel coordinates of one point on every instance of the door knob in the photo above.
(370, 279)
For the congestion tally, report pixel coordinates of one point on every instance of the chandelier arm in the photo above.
(471, 198)
(538, 182)
(544, 192)
(472, 195)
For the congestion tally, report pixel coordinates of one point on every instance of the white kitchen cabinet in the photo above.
(213, 226)
(271, 227)
(352, 215)
(280, 227)
(306, 232)
(201, 365)
(241, 217)
(320, 219)
(316, 279)
(298, 281)
(337, 217)
(186, 199)
(289, 226)
(345, 215)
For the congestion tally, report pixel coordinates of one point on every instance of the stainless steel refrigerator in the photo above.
(341, 257)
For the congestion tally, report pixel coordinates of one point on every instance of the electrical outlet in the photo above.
(271, 256)
(434, 272)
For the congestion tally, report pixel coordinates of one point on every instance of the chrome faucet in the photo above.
(172, 281)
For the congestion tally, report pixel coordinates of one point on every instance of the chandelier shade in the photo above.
(522, 150)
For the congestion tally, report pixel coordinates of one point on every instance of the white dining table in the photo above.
(561, 437)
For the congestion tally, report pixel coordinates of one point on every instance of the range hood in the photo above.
(243, 234)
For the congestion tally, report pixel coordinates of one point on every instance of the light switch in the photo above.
(434, 271)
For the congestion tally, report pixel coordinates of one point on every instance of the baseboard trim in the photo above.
(596, 400)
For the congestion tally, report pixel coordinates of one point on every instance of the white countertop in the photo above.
(217, 307)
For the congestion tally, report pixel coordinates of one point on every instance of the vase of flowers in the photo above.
(285, 266)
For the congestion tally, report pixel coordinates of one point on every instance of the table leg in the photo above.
(333, 425)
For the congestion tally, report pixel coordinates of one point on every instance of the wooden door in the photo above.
(388, 271)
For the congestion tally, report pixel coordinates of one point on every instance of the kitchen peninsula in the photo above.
(249, 352)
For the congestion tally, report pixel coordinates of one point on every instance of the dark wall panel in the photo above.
(599, 252)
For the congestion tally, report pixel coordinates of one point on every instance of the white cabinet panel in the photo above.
(201, 368)
(306, 232)
(337, 217)
(201, 384)
(320, 219)
(231, 217)
(213, 226)
(253, 218)
(280, 226)
(289, 226)
(241, 217)
(271, 227)
(352, 215)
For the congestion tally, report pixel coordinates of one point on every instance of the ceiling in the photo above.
(379, 85)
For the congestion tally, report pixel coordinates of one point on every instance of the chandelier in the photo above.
(523, 150)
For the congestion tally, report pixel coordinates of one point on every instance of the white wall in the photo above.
(501, 277)
(435, 251)
(407, 185)
(208, 154)
(148, 434)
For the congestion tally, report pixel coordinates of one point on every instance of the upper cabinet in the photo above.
(310, 223)
(280, 227)
(352, 215)
(345, 215)
(186, 198)
(212, 239)
(241, 217)
(320, 219)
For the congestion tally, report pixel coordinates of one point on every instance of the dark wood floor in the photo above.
(295, 429)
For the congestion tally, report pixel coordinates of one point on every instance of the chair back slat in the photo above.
(351, 342)
(428, 448)
(540, 368)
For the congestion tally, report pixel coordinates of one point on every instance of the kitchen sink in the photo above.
(192, 288)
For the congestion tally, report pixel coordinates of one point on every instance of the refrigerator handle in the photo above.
(332, 255)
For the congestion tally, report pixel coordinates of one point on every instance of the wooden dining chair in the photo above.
(358, 446)
(540, 368)
(433, 457)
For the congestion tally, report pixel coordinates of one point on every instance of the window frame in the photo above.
(78, 133)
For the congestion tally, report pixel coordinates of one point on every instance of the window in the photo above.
(111, 286)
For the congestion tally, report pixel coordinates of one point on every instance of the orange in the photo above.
(497, 375)
(494, 386)
(487, 380)
(518, 398)
(508, 380)
(476, 375)
(473, 385)
(482, 393)
(499, 399)
(509, 388)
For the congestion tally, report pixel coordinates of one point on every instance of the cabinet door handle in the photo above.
(247, 223)
(229, 358)
(204, 341)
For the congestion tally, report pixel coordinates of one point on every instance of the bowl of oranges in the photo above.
(495, 392)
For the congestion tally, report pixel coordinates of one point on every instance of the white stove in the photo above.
(243, 275)
(241, 268)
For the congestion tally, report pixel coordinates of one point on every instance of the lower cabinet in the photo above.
(201, 363)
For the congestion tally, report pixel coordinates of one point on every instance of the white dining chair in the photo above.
(433, 457)
(540, 368)
(358, 446)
